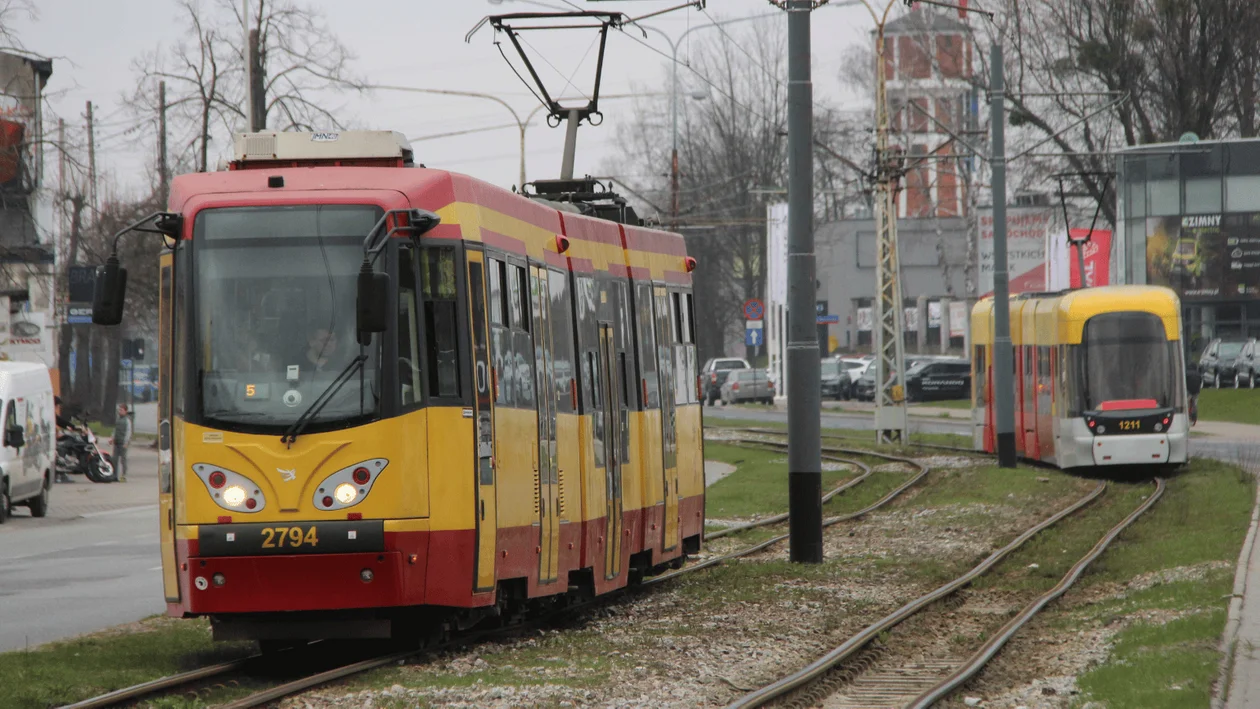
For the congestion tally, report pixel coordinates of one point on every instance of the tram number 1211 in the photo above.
(1130, 425)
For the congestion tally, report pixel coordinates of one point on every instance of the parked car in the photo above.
(1216, 362)
(855, 367)
(748, 385)
(1243, 367)
(938, 381)
(714, 375)
(836, 382)
(864, 388)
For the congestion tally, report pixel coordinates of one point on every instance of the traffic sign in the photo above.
(754, 338)
(827, 320)
(79, 315)
(754, 324)
(125, 363)
(754, 309)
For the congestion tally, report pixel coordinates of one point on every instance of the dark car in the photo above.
(1241, 371)
(1217, 361)
(864, 388)
(938, 381)
(836, 383)
(714, 376)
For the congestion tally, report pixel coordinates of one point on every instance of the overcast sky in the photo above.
(415, 43)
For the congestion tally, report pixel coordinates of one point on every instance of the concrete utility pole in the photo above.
(163, 178)
(890, 370)
(249, 66)
(91, 160)
(804, 405)
(1003, 363)
(62, 192)
(257, 85)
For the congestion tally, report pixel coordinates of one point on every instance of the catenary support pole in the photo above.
(803, 396)
(1003, 362)
(164, 177)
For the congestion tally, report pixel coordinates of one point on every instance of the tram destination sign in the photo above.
(1205, 256)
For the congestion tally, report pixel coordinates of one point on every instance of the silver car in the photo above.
(748, 385)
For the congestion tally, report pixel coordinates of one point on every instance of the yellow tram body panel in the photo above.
(1077, 307)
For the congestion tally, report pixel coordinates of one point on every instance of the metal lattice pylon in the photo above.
(890, 405)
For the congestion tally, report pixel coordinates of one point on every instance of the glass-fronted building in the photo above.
(1188, 217)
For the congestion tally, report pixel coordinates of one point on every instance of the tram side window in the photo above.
(503, 361)
(409, 381)
(441, 329)
(587, 338)
(1044, 382)
(646, 337)
(562, 341)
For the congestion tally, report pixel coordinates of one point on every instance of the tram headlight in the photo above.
(348, 486)
(229, 490)
(234, 496)
(345, 493)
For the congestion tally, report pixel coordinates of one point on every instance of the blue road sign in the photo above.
(125, 363)
(827, 320)
(754, 338)
(754, 309)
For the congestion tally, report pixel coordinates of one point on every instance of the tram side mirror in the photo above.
(372, 306)
(110, 293)
(14, 437)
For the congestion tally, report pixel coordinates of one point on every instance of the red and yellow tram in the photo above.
(1099, 377)
(524, 424)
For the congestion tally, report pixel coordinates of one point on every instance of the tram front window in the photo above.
(1126, 356)
(275, 315)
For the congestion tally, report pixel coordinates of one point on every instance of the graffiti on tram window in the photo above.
(1205, 256)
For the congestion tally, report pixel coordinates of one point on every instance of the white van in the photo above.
(29, 436)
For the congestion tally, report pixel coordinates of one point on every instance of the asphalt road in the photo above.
(92, 563)
(859, 422)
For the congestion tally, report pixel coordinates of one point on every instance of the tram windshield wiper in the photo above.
(322, 400)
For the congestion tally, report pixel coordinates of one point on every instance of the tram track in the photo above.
(855, 660)
(173, 683)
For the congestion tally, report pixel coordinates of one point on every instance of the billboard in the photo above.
(1205, 256)
(1027, 232)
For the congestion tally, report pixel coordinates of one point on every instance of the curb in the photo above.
(1229, 639)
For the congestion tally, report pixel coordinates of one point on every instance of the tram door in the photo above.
(545, 477)
(669, 428)
(487, 512)
(166, 477)
(609, 393)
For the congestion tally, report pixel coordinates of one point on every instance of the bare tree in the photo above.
(732, 151)
(299, 62)
(10, 12)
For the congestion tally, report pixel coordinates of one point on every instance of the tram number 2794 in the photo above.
(291, 537)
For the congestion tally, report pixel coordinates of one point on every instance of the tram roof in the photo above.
(471, 210)
(1073, 308)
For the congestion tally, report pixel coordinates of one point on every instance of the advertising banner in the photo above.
(1064, 265)
(958, 319)
(865, 319)
(934, 314)
(1205, 257)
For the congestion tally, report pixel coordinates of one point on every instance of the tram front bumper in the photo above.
(1137, 449)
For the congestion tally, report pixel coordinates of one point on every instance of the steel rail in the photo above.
(289, 688)
(830, 521)
(136, 691)
(987, 651)
(867, 471)
(822, 665)
(832, 436)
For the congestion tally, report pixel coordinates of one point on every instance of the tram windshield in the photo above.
(1126, 356)
(275, 314)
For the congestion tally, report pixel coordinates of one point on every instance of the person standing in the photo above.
(122, 437)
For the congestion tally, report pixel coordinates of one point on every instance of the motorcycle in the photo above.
(79, 454)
